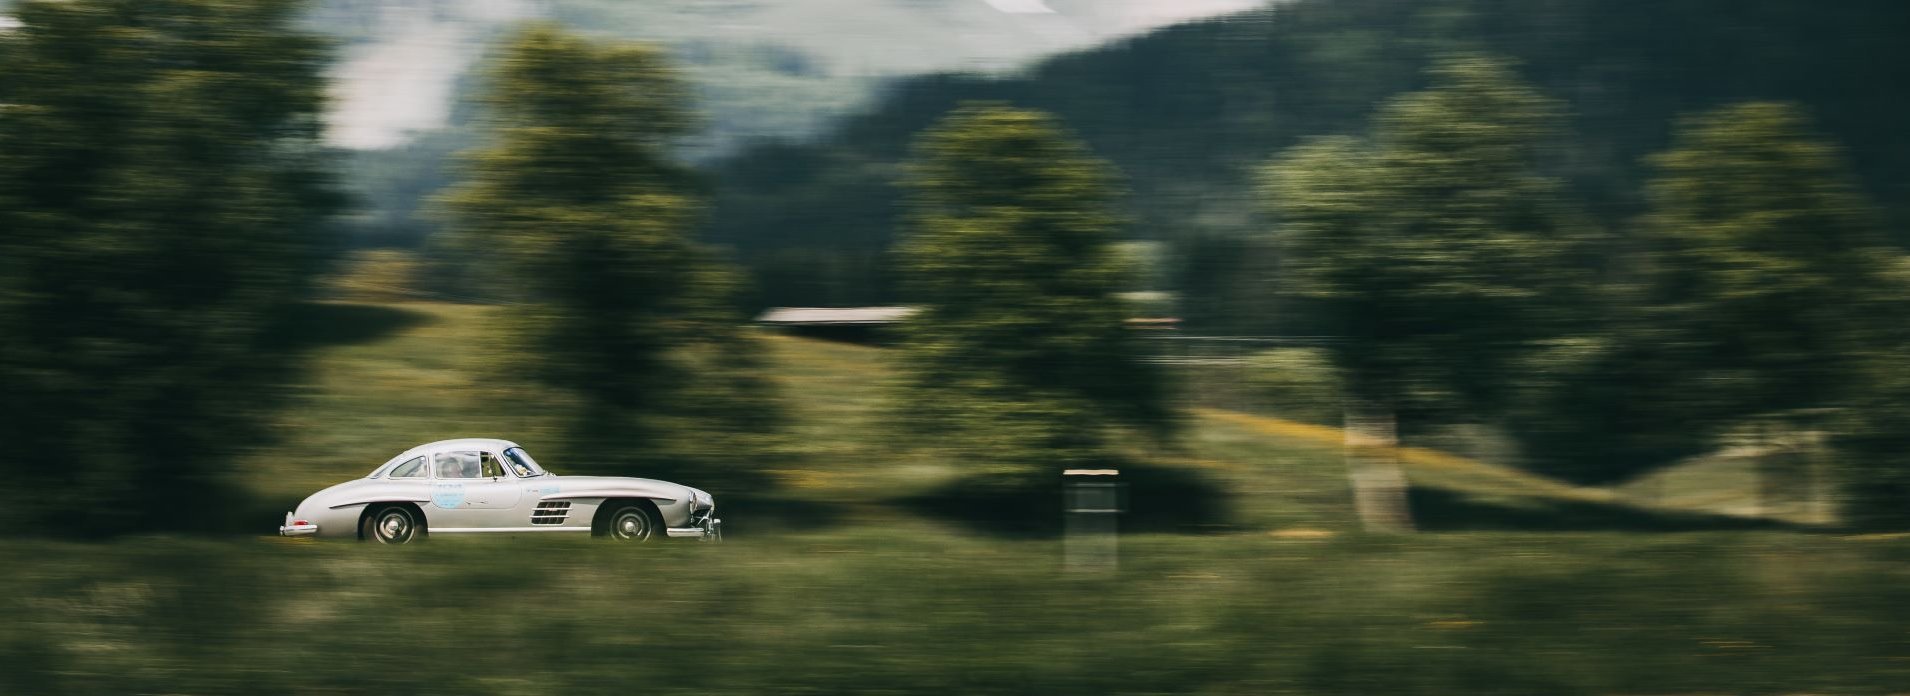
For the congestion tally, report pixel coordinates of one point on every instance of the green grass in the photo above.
(835, 393)
(1525, 585)
(905, 610)
(394, 375)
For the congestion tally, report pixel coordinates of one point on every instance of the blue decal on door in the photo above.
(447, 495)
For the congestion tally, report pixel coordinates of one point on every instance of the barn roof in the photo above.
(825, 316)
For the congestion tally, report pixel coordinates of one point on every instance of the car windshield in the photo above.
(522, 463)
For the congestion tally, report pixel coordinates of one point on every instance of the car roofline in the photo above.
(486, 442)
(461, 441)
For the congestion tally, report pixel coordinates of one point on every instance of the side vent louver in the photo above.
(551, 512)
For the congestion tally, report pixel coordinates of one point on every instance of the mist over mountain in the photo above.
(762, 67)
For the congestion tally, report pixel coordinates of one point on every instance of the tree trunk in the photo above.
(1760, 463)
(1790, 474)
(1765, 447)
(1822, 510)
(1372, 466)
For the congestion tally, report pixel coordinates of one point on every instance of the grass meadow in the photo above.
(1243, 572)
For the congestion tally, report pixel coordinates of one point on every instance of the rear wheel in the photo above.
(630, 522)
(391, 524)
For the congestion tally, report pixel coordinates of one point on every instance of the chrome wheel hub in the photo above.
(393, 526)
(631, 525)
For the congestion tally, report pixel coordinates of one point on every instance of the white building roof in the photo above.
(815, 316)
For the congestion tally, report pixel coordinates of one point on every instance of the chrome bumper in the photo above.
(709, 530)
(289, 529)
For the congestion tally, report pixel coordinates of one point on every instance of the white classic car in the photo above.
(482, 485)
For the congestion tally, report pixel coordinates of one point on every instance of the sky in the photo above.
(399, 75)
(402, 80)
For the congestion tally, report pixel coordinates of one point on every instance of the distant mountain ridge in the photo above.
(763, 67)
(1189, 112)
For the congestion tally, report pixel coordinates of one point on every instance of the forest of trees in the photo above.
(1617, 233)
(1189, 114)
(164, 202)
(1756, 296)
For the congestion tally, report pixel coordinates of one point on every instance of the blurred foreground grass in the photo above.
(908, 610)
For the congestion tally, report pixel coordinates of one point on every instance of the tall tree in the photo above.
(586, 216)
(1773, 287)
(162, 197)
(1019, 354)
(1436, 255)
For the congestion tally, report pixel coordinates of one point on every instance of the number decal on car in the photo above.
(447, 495)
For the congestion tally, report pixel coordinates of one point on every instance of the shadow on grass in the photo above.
(1437, 509)
(876, 336)
(320, 324)
(257, 515)
(757, 516)
(1158, 500)
(742, 516)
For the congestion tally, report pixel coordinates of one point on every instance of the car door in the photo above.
(471, 490)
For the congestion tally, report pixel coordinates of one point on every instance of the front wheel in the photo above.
(630, 522)
(392, 524)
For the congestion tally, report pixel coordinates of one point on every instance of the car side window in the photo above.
(455, 465)
(466, 464)
(412, 468)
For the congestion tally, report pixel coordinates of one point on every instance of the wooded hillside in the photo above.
(1189, 113)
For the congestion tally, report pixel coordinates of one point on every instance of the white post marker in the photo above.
(1091, 504)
